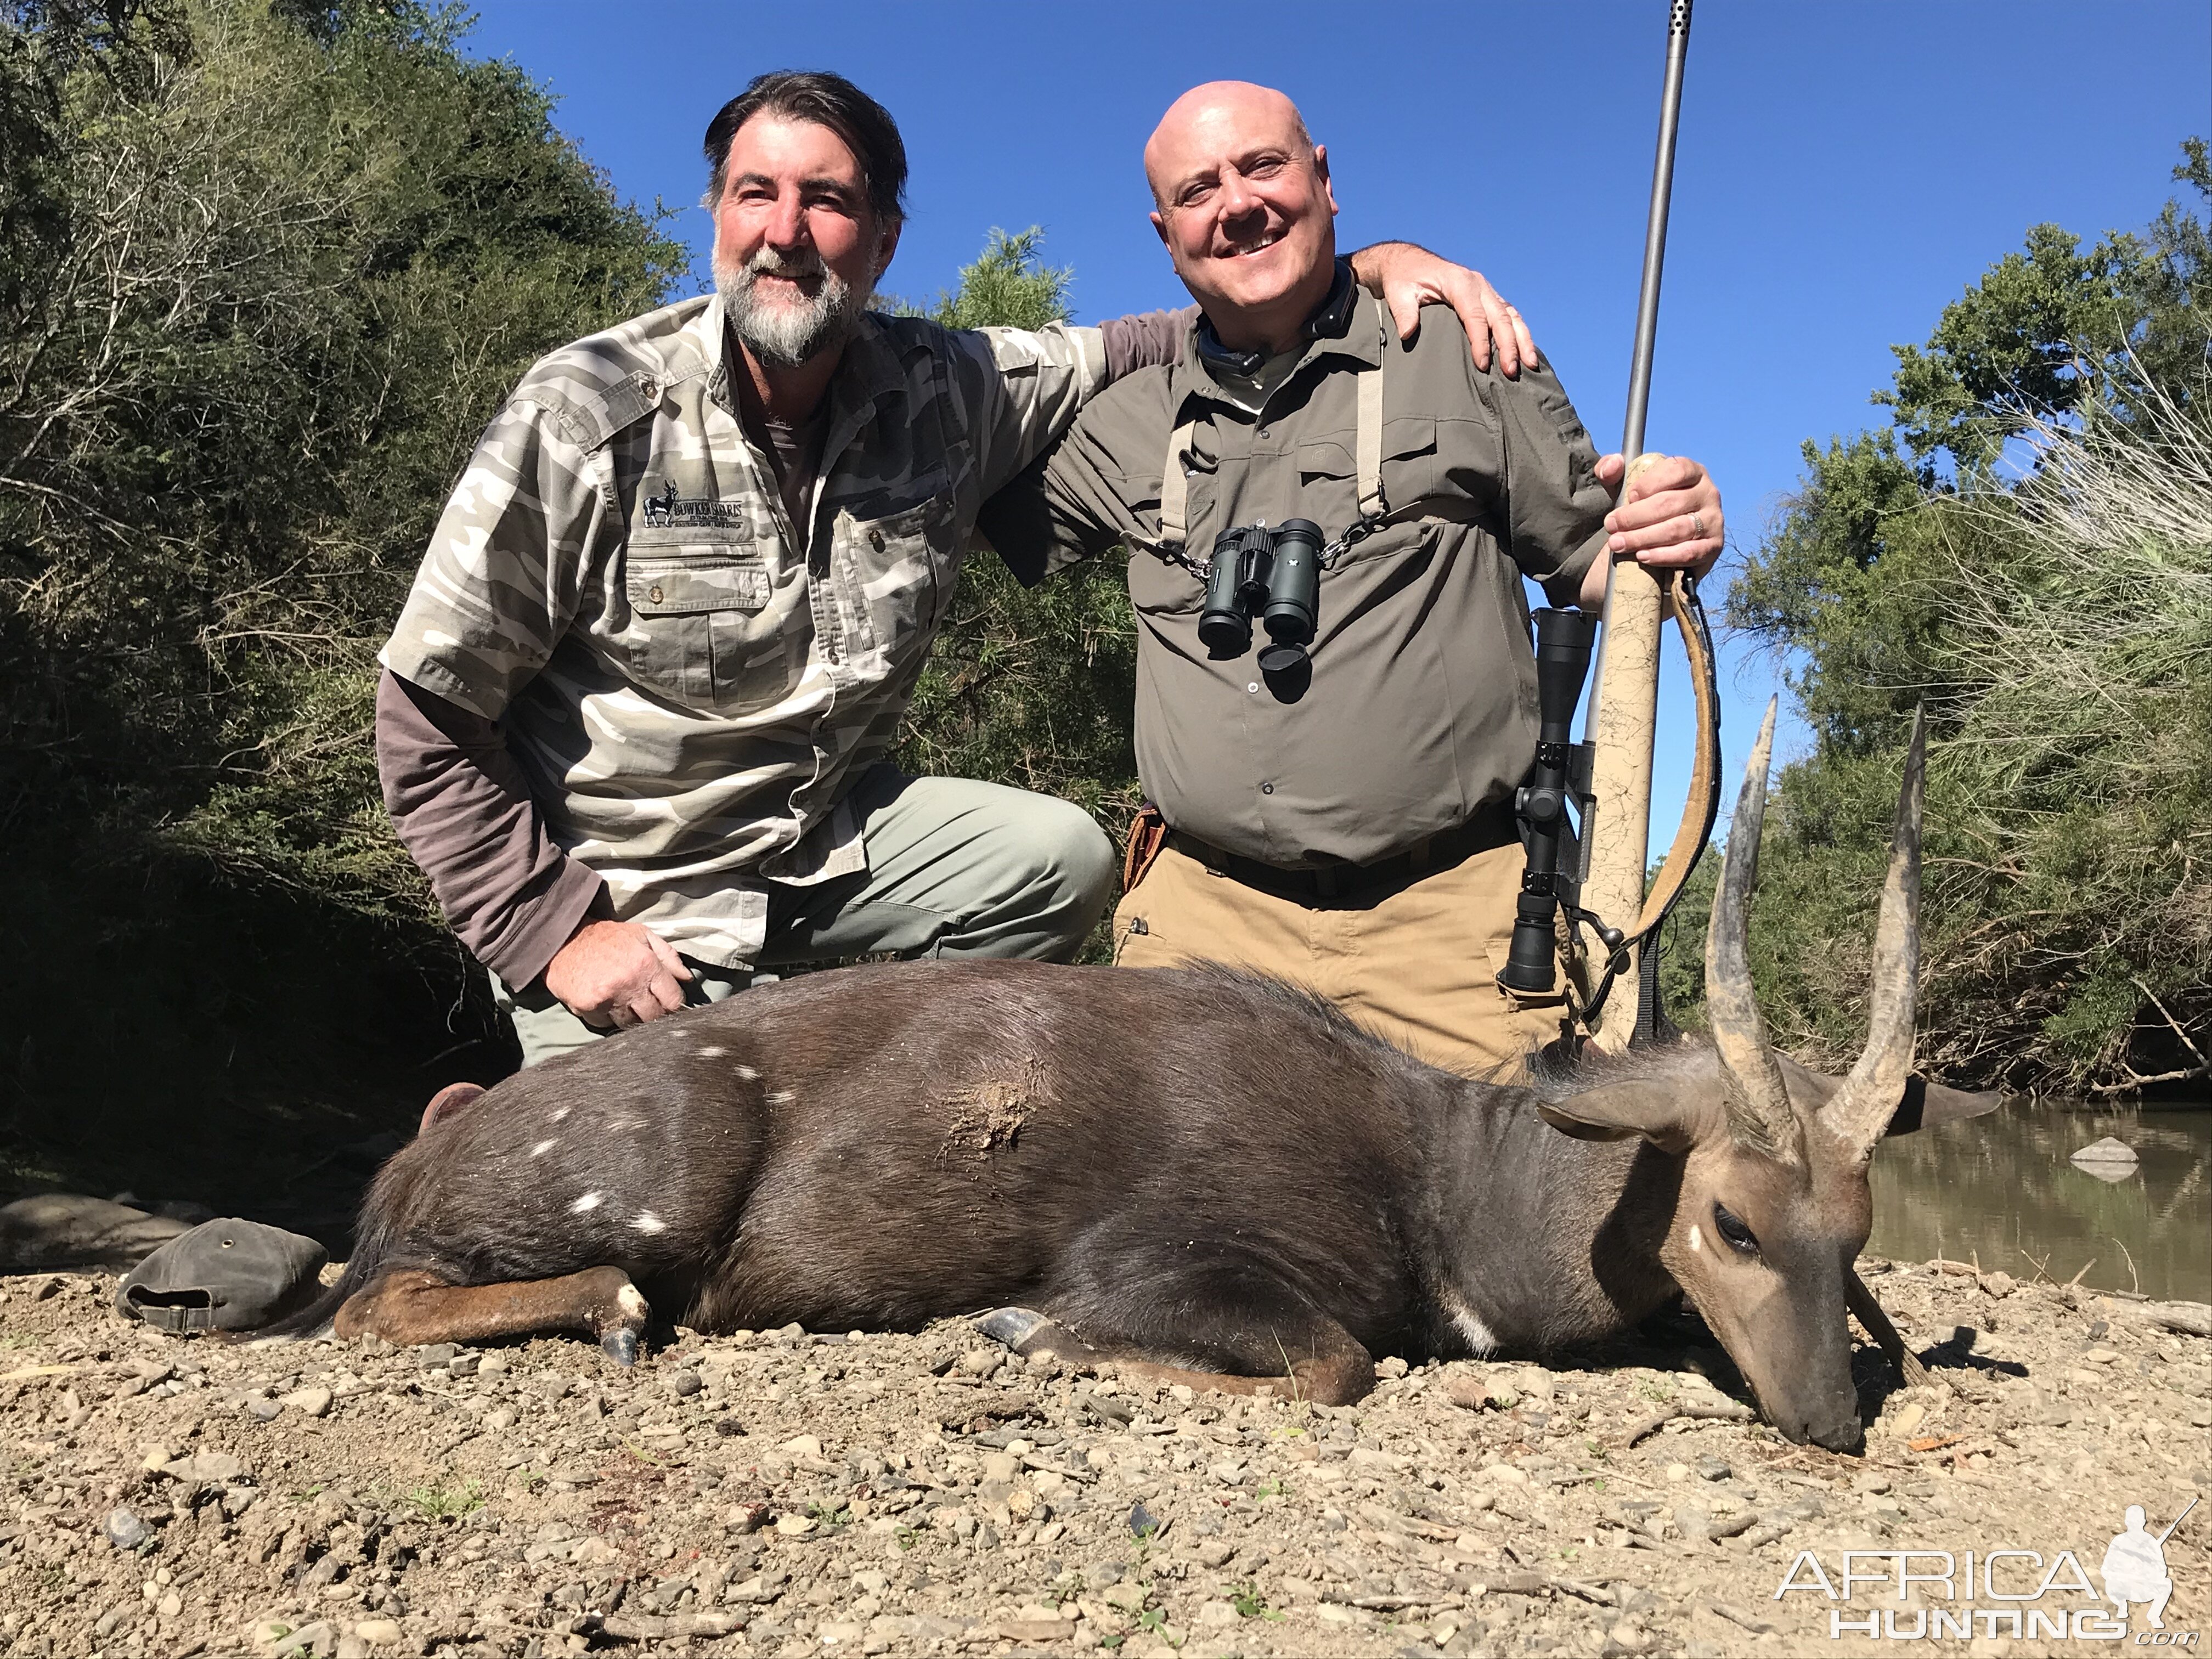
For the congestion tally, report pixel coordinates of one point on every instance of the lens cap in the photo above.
(1281, 658)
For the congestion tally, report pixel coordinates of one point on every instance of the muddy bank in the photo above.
(795, 1494)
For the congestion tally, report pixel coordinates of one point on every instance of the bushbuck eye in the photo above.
(1740, 1237)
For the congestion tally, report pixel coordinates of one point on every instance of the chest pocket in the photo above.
(1329, 474)
(908, 561)
(703, 630)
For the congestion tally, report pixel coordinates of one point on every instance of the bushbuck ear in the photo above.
(1926, 1104)
(1660, 1115)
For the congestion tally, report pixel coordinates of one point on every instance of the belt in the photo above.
(1492, 826)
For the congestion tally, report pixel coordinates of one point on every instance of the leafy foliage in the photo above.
(2057, 628)
(1031, 687)
(267, 271)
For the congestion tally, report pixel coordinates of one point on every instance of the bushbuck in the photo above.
(1206, 1175)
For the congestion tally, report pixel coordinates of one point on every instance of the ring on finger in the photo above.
(1697, 523)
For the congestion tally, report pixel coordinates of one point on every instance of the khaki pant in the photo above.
(1417, 964)
(956, 868)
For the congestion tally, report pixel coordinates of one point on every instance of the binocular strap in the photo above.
(1367, 460)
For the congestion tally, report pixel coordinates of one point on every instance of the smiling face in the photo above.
(798, 251)
(1245, 208)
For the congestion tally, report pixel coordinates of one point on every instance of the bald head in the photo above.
(1219, 104)
(1241, 198)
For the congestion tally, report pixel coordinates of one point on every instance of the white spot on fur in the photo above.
(782, 1098)
(588, 1201)
(1697, 1237)
(543, 1147)
(631, 1301)
(712, 1051)
(747, 1075)
(1479, 1337)
(648, 1221)
(562, 1113)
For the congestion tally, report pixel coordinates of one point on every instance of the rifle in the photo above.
(1594, 870)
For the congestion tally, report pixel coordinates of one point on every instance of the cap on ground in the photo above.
(223, 1275)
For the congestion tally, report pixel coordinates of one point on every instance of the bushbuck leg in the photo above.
(1239, 1315)
(411, 1308)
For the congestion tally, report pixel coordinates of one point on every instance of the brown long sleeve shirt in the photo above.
(1420, 705)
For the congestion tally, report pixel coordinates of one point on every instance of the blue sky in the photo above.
(1843, 170)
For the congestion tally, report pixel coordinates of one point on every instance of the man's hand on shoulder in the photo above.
(616, 973)
(1668, 518)
(1409, 277)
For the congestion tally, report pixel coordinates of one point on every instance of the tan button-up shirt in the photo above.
(1421, 707)
(689, 684)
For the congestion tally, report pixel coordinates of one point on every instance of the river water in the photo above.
(2003, 1189)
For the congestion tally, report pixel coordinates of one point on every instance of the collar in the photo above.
(1327, 323)
(869, 368)
(1359, 338)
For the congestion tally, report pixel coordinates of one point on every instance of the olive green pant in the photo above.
(956, 868)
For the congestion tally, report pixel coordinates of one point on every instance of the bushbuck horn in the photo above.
(1859, 1113)
(1758, 1100)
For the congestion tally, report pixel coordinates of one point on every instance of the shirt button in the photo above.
(1262, 432)
(1254, 686)
(1267, 788)
(876, 540)
(653, 593)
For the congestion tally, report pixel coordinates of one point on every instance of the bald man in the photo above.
(1341, 815)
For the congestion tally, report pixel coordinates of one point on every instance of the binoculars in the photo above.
(1275, 573)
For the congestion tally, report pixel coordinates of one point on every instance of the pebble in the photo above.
(684, 1384)
(1907, 1419)
(308, 1402)
(982, 1362)
(125, 1530)
(380, 1632)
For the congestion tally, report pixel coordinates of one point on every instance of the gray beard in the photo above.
(785, 336)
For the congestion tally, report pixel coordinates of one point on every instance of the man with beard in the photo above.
(636, 713)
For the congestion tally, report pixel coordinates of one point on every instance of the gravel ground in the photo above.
(788, 1492)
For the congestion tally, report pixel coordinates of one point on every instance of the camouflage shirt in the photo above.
(615, 580)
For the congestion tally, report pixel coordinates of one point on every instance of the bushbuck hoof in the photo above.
(1010, 1326)
(1024, 1331)
(621, 1325)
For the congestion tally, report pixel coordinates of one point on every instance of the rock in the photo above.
(68, 1230)
(216, 1469)
(836, 1632)
(351, 1647)
(801, 1445)
(1713, 1469)
(2107, 1151)
(308, 1402)
(794, 1526)
(321, 1637)
(125, 1530)
(684, 1384)
(1217, 1613)
(1999, 1284)
(1143, 1523)
(2101, 1355)
(982, 1362)
(432, 1355)
(380, 1632)
(1001, 1466)
(1128, 1596)
(1506, 1475)
(1215, 1552)
(1907, 1419)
